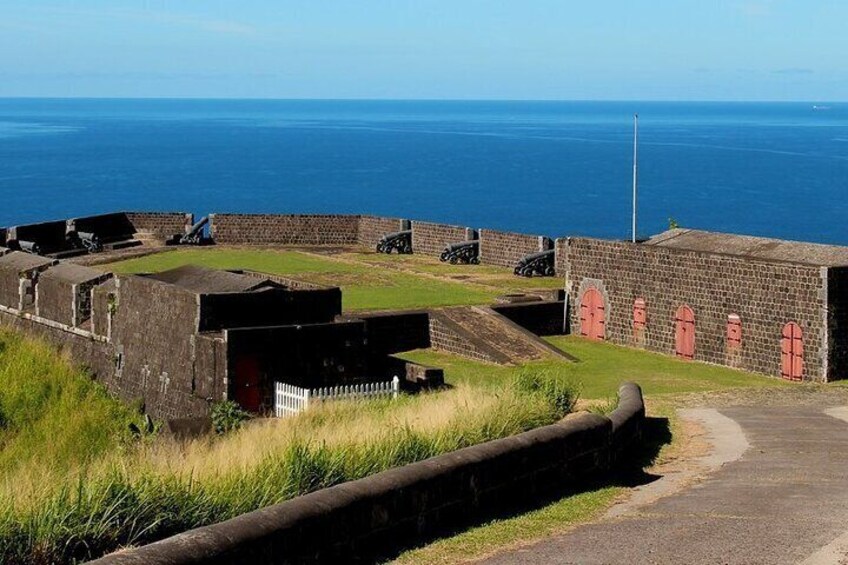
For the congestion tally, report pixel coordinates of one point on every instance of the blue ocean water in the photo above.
(555, 168)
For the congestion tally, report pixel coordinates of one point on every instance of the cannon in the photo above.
(400, 241)
(194, 236)
(539, 264)
(465, 252)
(85, 240)
(26, 246)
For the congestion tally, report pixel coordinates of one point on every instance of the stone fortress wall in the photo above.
(765, 294)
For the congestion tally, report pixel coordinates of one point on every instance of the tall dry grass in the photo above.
(94, 491)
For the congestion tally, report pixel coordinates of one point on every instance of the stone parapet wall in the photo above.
(372, 228)
(505, 249)
(766, 295)
(162, 225)
(284, 229)
(431, 239)
(371, 519)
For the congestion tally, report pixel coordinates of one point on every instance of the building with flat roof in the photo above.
(765, 305)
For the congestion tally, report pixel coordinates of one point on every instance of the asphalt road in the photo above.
(775, 491)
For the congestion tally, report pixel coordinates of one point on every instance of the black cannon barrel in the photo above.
(29, 246)
(397, 235)
(462, 245)
(535, 256)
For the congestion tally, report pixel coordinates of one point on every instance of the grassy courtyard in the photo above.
(369, 281)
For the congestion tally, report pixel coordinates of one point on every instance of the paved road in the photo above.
(782, 497)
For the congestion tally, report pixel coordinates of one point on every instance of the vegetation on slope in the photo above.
(97, 490)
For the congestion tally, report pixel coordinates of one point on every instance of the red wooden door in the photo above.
(247, 383)
(592, 315)
(792, 352)
(684, 333)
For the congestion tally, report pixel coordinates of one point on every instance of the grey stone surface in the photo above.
(783, 501)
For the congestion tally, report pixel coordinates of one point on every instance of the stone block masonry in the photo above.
(505, 249)
(278, 229)
(431, 239)
(162, 225)
(765, 295)
(372, 228)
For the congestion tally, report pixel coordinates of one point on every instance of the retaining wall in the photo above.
(505, 249)
(284, 229)
(371, 518)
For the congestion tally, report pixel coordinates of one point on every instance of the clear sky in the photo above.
(454, 49)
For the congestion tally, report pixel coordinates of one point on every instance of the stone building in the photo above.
(764, 305)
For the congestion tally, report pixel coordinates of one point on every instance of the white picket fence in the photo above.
(290, 399)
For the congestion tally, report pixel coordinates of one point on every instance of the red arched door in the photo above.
(792, 352)
(248, 393)
(592, 315)
(684, 333)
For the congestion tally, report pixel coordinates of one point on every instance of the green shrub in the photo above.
(557, 389)
(227, 416)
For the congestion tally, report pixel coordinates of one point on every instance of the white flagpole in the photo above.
(635, 170)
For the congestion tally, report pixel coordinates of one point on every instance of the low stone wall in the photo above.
(372, 228)
(541, 318)
(284, 229)
(505, 249)
(431, 239)
(371, 518)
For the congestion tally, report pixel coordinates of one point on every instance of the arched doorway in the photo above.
(592, 315)
(684, 333)
(792, 352)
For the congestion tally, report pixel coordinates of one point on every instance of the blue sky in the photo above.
(459, 49)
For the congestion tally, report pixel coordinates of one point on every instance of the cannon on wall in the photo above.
(400, 241)
(540, 264)
(85, 240)
(465, 252)
(194, 236)
(24, 245)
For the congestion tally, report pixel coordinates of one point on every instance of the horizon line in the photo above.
(380, 99)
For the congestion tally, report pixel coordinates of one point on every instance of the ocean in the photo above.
(550, 168)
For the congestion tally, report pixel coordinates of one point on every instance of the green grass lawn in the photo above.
(602, 367)
(364, 286)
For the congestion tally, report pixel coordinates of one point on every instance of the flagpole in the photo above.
(635, 170)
